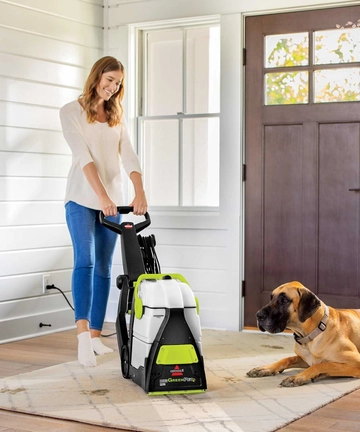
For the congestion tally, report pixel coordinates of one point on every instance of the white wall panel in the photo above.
(15, 90)
(35, 261)
(16, 213)
(155, 10)
(34, 165)
(40, 47)
(94, 2)
(184, 257)
(30, 285)
(194, 237)
(26, 140)
(27, 326)
(47, 49)
(80, 11)
(26, 315)
(51, 26)
(29, 116)
(31, 237)
(32, 189)
(30, 69)
(201, 280)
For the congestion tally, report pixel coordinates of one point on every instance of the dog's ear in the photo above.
(308, 304)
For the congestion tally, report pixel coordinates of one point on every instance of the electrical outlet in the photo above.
(46, 282)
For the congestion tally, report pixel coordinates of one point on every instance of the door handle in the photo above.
(354, 190)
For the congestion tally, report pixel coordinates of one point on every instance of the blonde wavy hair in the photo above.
(89, 96)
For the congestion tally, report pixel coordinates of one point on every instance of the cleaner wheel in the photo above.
(125, 361)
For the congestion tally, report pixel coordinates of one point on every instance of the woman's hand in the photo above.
(108, 207)
(140, 204)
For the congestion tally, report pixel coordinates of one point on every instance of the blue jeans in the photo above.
(94, 247)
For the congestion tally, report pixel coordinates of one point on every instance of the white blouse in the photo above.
(108, 147)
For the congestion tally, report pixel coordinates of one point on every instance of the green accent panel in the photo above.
(197, 305)
(139, 311)
(177, 354)
(138, 303)
(175, 392)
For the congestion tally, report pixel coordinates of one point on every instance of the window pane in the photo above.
(286, 88)
(287, 50)
(161, 161)
(200, 163)
(337, 85)
(164, 72)
(203, 70)
(337, 46)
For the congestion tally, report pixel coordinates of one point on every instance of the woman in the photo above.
(94, 129)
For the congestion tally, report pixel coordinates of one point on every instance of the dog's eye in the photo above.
(283, 300)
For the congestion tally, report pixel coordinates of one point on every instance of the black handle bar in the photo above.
(113, 226)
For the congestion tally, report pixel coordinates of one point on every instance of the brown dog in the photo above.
(327, 340)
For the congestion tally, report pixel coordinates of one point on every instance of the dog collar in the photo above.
(319, 329)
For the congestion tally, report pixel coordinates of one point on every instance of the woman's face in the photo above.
(109, 84)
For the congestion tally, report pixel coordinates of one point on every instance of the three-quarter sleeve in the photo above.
(128, 156)
(74, 137)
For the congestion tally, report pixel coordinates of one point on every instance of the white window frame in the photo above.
(135, 89)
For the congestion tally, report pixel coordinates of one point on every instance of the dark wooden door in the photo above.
(302, 157)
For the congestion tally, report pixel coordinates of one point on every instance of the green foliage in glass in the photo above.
(289, 51)
(287, 88)
(292, 87)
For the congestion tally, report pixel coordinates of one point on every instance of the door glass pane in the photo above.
(337, 85)
(203, 70)
(287, 50)
(164, 72)
(161, 161)
(337, 46)
(201, 162)
(286, 88)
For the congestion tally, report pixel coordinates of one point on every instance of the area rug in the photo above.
(233, 401)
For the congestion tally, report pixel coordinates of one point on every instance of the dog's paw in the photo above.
(260, 372)
(292, 381)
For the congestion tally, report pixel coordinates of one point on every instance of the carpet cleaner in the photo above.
(160, 342)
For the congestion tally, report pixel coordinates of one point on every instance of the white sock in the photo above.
(86, 354)
(99, 348)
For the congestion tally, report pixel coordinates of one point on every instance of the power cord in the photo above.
(151, 263)
(50, 287)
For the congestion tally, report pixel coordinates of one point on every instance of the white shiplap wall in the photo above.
(46, 51)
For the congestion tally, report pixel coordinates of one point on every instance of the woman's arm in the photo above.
(73, 134)
(139, 202)
(107, 205)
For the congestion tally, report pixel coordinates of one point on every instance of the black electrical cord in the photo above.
(48, 287)
(151, 263)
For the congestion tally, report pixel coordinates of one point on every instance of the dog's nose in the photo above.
(260, 315)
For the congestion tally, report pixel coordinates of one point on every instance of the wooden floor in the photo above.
(37, 353)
